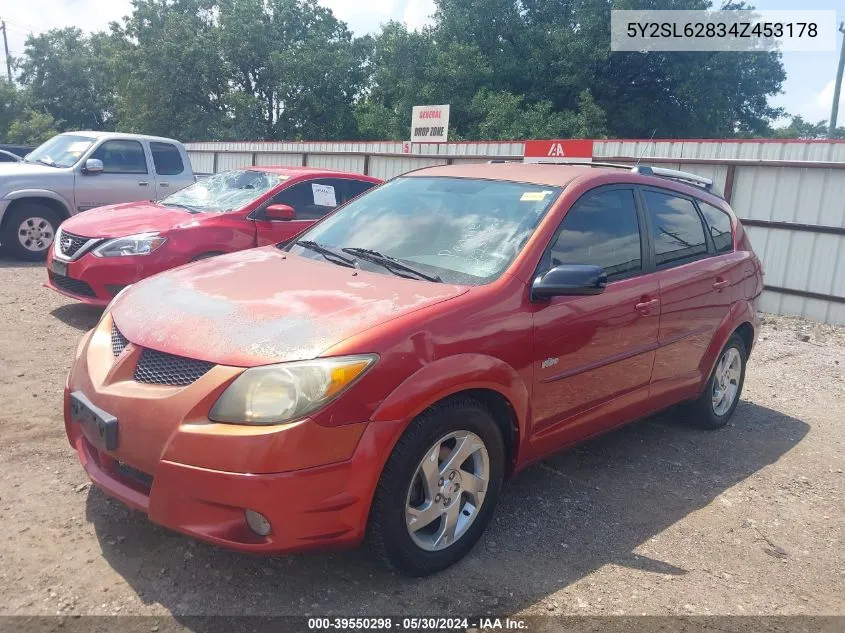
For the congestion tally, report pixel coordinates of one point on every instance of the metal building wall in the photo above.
(790, 194)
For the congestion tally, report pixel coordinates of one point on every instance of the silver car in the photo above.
(77, 171)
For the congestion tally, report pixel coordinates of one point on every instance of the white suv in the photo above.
(77, 171)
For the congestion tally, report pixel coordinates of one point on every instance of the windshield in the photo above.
(226, 191)
(64, 150)
(461, 230)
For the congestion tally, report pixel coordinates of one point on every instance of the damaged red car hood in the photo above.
(264, 306)
(129, 218)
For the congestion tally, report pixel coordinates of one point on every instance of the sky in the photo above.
(808, 90)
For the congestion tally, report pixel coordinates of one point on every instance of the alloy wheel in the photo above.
(447, 490)
(726, 381)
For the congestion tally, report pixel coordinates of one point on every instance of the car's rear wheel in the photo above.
(721, 395)
(30, 230)
(439, 488)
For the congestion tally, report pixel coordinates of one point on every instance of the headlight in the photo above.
(285, 392)
(142, 244)
(57, 243)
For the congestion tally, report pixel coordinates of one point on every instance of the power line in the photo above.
(22, 26)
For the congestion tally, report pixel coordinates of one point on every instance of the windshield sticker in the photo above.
(324, 195)
(534, 196)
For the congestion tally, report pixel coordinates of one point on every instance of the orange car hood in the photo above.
(264, 306)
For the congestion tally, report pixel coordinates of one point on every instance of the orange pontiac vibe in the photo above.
(377, 378)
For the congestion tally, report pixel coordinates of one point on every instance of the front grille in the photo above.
(118, 341)
(69, 243)
(159, 368)
(73, 286)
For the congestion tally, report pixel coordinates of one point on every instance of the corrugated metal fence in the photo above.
(790, 195)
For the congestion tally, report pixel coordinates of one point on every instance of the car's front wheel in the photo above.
(439, 488)
(30, 230)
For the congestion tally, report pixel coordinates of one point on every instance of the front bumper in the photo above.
(96, 280)
(313, 483)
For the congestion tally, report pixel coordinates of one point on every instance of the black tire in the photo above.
(700, 412)
(387, 533)
(20, 214)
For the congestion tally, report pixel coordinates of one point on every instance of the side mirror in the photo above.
(93, 166)
(569, 279)
(280, 212)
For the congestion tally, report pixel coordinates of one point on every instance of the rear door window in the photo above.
(719, 224)
(167, 159)
(601, 229)
(676, 229)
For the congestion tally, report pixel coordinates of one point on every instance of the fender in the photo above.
(741, 312)
(453, 374)
(40, 193)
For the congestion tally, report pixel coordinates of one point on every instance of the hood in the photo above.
(129, 218)
(21, 175)
(264, 306)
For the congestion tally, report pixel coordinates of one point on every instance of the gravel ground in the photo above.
(653, 519)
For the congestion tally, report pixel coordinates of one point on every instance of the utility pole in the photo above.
(837, 86)
(9, 61)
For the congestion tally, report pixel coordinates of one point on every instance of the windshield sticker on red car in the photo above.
(534, 196)
(324, 195)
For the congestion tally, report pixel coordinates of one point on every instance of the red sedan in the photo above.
(380, 376)
(98, 253)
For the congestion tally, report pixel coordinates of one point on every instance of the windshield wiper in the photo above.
(336, 257)
(47, 161)
(391, 263)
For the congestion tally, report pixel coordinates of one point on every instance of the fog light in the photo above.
(258, 523)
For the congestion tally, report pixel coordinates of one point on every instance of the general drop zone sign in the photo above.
(430, 124)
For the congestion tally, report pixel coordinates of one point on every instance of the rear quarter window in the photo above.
(676, 229)
(719, 225)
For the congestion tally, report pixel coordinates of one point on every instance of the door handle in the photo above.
(721, 283)
(647, 305)
(143, 183)
(164, 184)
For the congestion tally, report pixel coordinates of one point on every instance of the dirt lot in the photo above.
(656, 518)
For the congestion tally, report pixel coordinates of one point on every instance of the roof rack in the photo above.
(645, 170)
(674, 174)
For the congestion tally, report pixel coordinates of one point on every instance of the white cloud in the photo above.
(36, 16)
(418, 13)
(818, 106)
(362, 16)
(825, 97)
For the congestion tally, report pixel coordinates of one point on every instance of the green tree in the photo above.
(169, 74)
(61, 73)
(413, 68)
(801, 129)
(540, 56)
(294, 68)
(32, 128)
(11, 106)
(288, 69)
